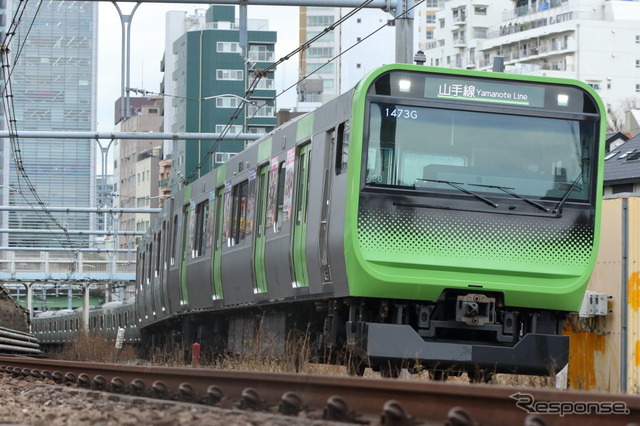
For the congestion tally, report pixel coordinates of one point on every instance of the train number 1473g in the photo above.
(411, 114)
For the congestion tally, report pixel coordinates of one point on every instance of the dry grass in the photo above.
(94, 347)
(262, 354)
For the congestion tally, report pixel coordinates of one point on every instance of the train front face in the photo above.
(475, 193)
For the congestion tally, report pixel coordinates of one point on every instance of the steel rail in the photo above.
(350, 399)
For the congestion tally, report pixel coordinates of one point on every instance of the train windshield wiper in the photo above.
(457, 186)
(513, 194)
(565, 197)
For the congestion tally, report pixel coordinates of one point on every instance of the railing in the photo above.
(61, 265)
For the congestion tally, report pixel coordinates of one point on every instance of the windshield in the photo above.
(416, 147)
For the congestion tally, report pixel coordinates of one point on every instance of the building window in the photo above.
(261, 109)
(221, 157)
(326, 36)
(228, 102)
(432, 3)
(479, 33)
(230, 75)
(319, 20)
(228, 47)
(233, 129)
(153, 110)
(637, 88)
(480, 10)
(619, 189)
(265, 83)
(358, 66)
(596, 86)
(637, 63)
(320, 52)
(257, 130)
(638, 38)
(323, 68)
(359, 21)
(260, 53)
(428, 34)
(431, 18)
(441, 23)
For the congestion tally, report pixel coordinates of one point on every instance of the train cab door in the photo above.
(301, 275)
(259, 272)
(217, 244)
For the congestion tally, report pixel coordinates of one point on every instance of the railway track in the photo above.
(345, 399)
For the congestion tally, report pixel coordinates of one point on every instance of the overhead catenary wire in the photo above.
(263, 72)
(302, 47)
(23, 178)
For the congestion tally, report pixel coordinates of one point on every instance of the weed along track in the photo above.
(334, 398)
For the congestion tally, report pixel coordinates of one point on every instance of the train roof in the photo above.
(111, 305)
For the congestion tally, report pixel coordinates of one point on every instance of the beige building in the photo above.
(137, 168)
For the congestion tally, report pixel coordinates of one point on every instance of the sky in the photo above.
(147, 49)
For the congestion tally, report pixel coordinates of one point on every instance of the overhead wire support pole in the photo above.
(404, 31)
(125, 20)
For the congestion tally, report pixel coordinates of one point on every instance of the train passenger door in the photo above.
(186, 251)
(301, 275)
(217, 244)
(259, 271)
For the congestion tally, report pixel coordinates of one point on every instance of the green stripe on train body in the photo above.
(186, 202)
(549, 273)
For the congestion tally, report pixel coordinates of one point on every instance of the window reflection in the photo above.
(535, 156)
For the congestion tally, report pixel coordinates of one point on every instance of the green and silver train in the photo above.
(429, 216)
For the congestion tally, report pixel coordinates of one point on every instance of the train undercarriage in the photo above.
(461, 332)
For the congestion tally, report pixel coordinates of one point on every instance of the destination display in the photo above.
(461, 88)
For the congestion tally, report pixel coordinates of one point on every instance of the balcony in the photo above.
(460, 20)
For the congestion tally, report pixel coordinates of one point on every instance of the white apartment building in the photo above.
(364, 47)
(368, 52)
(460, 27)
(595, 41)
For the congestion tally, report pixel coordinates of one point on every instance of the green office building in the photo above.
(209, 74)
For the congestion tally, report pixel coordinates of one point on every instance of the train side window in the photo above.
(77, 324)
(101, 323)
(150, 261)
(163, 245)
(174, 241)
(342, 147)
(201, 232)
(66, 325)
(158, 251)
(239, 214)
(142, 268)
(280, 216)
(126, 319)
